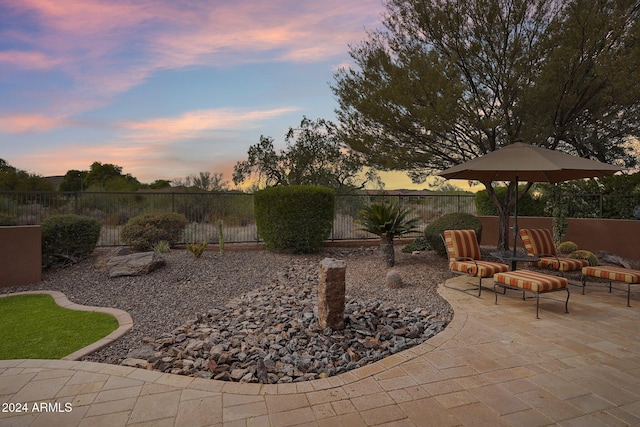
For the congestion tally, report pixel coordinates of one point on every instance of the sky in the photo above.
(168, 88)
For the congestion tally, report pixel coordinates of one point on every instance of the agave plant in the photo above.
(387, 221)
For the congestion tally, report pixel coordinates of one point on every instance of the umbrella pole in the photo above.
(515, 222)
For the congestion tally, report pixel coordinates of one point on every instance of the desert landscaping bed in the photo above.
(251, 315)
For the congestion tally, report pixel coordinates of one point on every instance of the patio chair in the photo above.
(538, 242)
(464, 256)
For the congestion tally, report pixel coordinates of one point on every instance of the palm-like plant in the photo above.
(387, 221)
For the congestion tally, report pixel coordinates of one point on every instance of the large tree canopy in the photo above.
(446, 81)
(14, 179)
(314, 155)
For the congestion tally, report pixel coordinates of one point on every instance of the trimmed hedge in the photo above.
(68, 238)
(144, 231)
(452, 221)
(294, 218)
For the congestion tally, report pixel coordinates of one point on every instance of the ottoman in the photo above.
(531, 281)
(612, 274)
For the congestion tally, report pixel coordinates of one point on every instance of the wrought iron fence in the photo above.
(205, 210)
(235, 210)
(602, 206)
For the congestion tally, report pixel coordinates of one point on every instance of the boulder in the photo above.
(103, 255)
(609, 258)
(134, 264)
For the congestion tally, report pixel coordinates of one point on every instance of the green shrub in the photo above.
(68, 238)
(567, 247)
(295, 218)
(144, 231)
(6, 220)
(419, 244)
(582, 254)
(161, 247)
(452, 221)
(527, 205)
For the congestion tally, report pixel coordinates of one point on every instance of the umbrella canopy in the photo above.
(526, 162)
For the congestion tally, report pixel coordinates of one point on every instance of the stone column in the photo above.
(331, 291)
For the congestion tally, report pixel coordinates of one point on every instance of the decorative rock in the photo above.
(394, 281)
(142, 353)
(331, 293)
(267, 336)
(135, 264)
(135, 363)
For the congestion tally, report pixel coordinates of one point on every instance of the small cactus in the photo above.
(567, 247)
(582, 254)
(196, 248)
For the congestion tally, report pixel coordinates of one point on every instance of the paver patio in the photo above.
(494, 365)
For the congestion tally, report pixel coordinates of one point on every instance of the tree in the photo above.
(160, 184)
(204, 181)
(314, 155)
(449, 80)
(74, 180)
(13, 179)
(109, 177)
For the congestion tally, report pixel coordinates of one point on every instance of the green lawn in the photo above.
(35, 327)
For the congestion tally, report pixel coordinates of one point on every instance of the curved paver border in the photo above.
(125, 321)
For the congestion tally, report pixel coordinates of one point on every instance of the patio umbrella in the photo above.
(526, 162)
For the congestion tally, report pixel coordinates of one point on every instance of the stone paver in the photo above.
(493, 365)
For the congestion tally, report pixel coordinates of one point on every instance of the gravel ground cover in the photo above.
(187, 288)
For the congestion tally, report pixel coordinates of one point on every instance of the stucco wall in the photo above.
(20, 255)
(614, 235)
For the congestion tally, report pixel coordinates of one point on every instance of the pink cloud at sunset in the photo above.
(192, 124)
(27, 60)
(164, 88)
(20, 123)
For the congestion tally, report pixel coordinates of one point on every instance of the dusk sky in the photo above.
(167, 88)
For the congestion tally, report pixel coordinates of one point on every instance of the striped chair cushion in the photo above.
(531, 280)
(461, 244)
(538, 241)
(487, 269)
(616, 274)
(562, 263)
